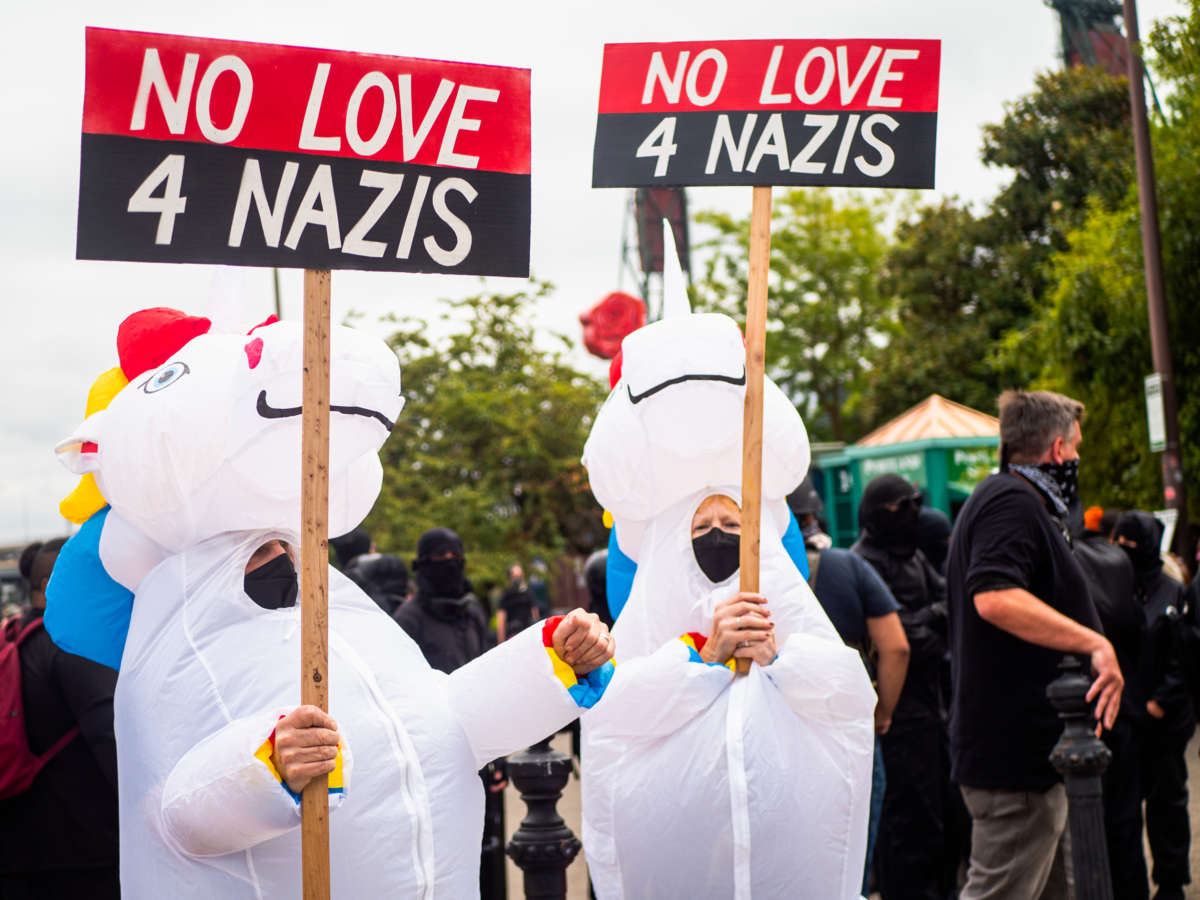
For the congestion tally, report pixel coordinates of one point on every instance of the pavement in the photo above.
(577, 879)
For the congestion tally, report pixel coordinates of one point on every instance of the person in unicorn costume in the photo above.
(195, 449)
(698, 782)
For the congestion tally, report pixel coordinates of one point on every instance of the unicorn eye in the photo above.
(165, 377)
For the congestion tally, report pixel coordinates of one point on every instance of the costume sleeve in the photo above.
(519, 692)
(88, 689)
(822, 680)
(656, 695)
(225, 794)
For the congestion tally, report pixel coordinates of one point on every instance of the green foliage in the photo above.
(1094, 336)
(968, 285)
(489, 440)
(826, 312)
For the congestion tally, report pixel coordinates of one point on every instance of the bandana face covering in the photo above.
(717, 553)
(273, 585)
(1058, 481)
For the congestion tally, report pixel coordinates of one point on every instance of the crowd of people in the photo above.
(963, 630)
(960, 627)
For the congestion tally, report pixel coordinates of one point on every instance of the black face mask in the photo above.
(442, 577)
(897, 530)
(273, 585)
(717, 553)
(1066, 476)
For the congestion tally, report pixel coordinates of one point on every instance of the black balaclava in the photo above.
(273, 585)
(1147, 531)
(442, 577)
(896, 531)
(351, 544)
(718, 553)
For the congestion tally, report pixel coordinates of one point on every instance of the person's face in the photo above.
(444, 555)
(1066, 449)
(717, 511)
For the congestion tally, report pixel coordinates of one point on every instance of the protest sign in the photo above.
(852, 113)
(197, 150)
(849, 113)
(213, 151)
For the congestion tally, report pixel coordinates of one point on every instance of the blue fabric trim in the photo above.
(590, 688)
(296, 797)
(87, 613)
(619, 572)
(620, 569)
(793, 543)
(695, 657)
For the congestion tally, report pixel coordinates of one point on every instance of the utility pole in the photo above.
(1160, 348)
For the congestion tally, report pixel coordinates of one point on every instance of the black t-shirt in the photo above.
(518, 603)
(850, 592)
(1002, 727)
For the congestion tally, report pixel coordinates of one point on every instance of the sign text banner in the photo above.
(852, 113)
(214, 151)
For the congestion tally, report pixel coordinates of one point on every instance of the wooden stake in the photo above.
(314, 569)
(752, 427)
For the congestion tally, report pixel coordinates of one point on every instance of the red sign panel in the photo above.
(202, 150)
(830, 112)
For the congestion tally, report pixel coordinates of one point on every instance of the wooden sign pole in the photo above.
(314, 569)
(752, 423)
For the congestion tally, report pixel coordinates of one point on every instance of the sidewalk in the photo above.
(569, 809)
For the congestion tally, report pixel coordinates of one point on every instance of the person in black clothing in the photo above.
(449, 625)
(1110, 580)
(595, 576)
(915, 850)
(382, 576)
(1018, 602)
(518, 606)
(933, 537)
(59, 838)
(1167, 719)
(444, 618)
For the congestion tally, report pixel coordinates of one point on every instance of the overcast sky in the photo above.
(60, 315)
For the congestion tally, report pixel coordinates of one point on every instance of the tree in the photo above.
(826, 312)
(1093, 337)
(964, 282)
(489, 440)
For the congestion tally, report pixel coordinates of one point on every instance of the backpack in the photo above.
(18, 764)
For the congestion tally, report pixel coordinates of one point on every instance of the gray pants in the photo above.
(1020, 845)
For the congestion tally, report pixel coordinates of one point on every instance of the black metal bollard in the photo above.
(1081, 757)
(543, 846)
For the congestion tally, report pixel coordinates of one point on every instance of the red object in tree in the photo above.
(606, 324)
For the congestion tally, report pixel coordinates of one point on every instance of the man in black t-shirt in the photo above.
(518, 606)
(1018, 602)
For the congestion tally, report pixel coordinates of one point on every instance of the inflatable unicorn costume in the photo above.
(199, 458)
(698, 783)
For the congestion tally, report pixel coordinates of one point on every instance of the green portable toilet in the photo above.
(943, 447)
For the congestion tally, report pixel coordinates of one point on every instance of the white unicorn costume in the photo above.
(698, 783)
(202, 455)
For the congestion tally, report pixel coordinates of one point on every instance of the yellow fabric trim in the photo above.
(263, 753)
(337, 780)
(562, 671)
(335, 777)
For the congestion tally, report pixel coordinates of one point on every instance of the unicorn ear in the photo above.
(675, 298)
(78, 450)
